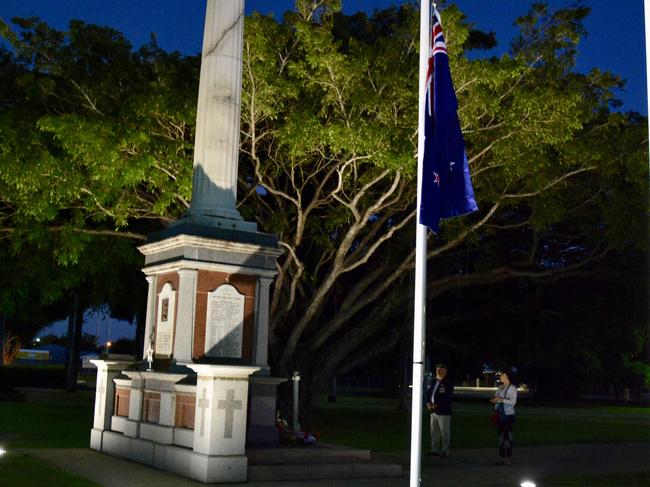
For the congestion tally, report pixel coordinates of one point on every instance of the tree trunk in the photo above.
(75, 325)
(332, 394)
(405, 355)
(3, 320)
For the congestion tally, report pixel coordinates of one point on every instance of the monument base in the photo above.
(192, 424)
(182, 461)
(262, 430)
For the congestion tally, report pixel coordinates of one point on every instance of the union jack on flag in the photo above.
(446, 184)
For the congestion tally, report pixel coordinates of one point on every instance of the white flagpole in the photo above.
(419, 308)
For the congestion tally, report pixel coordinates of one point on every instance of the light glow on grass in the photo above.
(528, 483)
(2, 451)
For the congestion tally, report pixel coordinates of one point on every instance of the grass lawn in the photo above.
(641, 479)
(372, 423)
(36, 425)
(22, 471)
(375, 423)
(361, 422)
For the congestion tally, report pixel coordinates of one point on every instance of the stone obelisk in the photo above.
(216, 146)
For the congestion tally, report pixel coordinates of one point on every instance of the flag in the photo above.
(446, 184)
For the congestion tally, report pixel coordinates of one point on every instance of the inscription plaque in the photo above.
(165, 322)
(225, 322)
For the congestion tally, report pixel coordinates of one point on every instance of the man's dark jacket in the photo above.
(444, 393)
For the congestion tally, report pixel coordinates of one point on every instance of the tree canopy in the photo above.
(97, 143)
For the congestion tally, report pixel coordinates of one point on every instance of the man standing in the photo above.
(438, 397)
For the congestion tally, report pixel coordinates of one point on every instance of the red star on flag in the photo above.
(436, 178)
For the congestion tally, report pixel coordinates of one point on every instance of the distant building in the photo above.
(58, 353)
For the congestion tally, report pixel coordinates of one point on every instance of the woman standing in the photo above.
(504, 402)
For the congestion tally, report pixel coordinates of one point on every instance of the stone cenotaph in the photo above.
(204, 380)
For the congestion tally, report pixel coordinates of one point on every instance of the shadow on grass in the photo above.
(638, 479)
(19, 470)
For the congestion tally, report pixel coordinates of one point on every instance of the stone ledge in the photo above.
(212, 232)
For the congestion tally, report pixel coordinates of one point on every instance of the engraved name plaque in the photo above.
(224, 323)
(165, 322)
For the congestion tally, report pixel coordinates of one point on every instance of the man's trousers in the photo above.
(440, 425)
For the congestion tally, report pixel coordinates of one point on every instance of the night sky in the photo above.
(615, 42)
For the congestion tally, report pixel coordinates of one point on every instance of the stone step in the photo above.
(321, 471)
(310, 455)
(315, 462)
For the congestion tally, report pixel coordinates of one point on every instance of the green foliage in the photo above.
(96, 145)
(93, 132)
(640, 368)
(329, 104)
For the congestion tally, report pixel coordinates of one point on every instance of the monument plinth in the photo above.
(185, 406)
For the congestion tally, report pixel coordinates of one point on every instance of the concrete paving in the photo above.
(462, 469)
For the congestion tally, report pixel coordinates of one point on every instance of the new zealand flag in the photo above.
(446, 184)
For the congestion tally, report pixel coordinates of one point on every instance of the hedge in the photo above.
(44, 376)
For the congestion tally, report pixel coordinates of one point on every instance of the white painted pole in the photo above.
(419, 308)
(296, 401)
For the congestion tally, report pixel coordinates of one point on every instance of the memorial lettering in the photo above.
(225, 322)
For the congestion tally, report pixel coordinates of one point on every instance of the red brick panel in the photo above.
(122, 398)
(151, 407)
(185, 407)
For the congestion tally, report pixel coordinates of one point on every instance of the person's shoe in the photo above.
(444, 454)
(507, 461)
(500, 461)
(431, 454)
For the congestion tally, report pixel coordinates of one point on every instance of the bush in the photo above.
(45, 376)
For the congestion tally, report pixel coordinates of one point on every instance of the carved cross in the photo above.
(101, 390)
(204, 403)
(229, 405)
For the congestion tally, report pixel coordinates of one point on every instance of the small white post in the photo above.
(296, 397)
(150, 354)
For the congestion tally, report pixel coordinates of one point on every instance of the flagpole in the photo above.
(419, 308)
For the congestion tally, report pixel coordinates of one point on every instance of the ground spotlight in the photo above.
(527, 483)
(2, 451)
